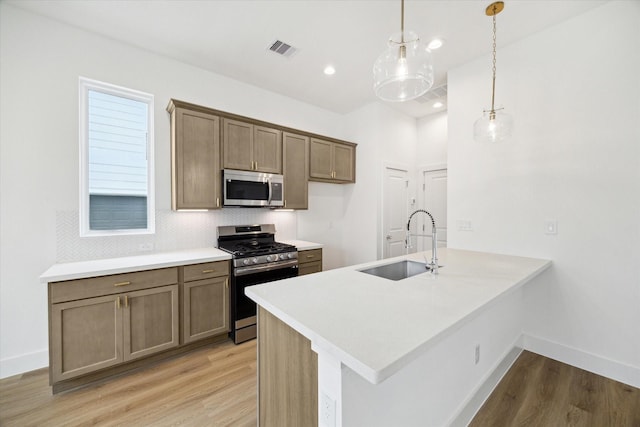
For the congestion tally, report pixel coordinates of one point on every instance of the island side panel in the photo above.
(287, 375)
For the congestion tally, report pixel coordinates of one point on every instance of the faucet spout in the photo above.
(433, 265)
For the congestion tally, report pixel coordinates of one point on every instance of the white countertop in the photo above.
(377, 326)
(303, 245)
(103, 267)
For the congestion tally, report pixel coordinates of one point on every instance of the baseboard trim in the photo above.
(473, 404)
(24, 363)
(599, 365)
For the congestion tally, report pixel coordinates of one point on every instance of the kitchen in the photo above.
(572, 88)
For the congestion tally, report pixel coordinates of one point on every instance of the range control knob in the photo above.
(254, 260)
(270, 258)
(290, 255)
(245, 261)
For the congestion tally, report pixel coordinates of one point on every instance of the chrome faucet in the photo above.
(433, 265)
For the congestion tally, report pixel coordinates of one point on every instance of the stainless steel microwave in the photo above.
(244, 188)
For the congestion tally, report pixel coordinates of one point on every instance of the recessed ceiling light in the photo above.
(329, 70)
(437, 104)
(435, 44)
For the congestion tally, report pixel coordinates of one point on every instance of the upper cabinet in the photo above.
(295, 161)
(331, 161)
(251, 147)
(195, 159)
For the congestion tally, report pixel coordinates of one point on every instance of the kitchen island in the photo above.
(407, 352)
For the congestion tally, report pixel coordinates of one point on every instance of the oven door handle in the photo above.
(243, 271)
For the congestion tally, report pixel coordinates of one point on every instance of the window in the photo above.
(116, 160)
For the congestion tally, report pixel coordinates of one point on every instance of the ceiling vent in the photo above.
(438, 92)
(282, 48)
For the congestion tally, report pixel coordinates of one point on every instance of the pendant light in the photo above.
(495, 125)
(404, 71)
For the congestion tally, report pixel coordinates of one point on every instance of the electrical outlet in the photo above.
(464, 225)
(145, 247)
(551, 226)
(477, 354)
(327, 410)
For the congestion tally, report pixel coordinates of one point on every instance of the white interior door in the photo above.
(435, 201)
(394, 211)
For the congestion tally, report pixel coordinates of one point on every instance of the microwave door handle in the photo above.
(270, 191)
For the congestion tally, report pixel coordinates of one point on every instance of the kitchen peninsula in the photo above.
(407, 352)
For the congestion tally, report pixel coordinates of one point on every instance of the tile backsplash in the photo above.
(174, 231)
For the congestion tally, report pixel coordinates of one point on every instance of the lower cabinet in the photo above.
(309, 261)
(96, 333)
(103, 323)
(205, 302)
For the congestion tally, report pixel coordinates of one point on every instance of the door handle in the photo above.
(388, 236)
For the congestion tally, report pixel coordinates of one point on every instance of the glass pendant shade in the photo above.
(405, 70)
(493, 126)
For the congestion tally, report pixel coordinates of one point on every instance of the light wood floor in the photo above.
(212, 386)
(538, 391)
(216, 386)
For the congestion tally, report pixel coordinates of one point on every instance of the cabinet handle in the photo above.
(126, 301)
(122, 284)
(207, 271)
(118, 303)
(285, 203)
(226, 283)
(217, 202)
(310, 256)
(256, 168)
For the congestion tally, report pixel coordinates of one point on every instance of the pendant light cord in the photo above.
(492, 114)
(402, 22)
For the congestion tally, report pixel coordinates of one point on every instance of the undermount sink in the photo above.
(398, 270)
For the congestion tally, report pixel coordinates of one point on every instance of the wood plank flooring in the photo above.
(216, 386)
(538, 391)
(212, 386)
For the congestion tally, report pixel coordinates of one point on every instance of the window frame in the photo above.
(85, 85)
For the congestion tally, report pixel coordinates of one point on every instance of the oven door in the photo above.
(243, 188)
(243, 309)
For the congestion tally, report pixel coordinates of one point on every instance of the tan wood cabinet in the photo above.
(331, 161)
(287, 375)
(295, 166)
(121, 318)
(309, 261)
(205, 301)
(195, 159)
(246, 146)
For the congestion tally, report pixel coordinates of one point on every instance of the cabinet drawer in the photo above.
(106, 285)
(309, 256)
(206, 270)
(309, 268)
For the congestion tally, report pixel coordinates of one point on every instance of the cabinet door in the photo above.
(267, 150)
(237, 146)
(195, 159)
(343, 166)
(205, 308)
(320, 164)
(309, 268)
(296, 171)
(150, 321)
(86, 335)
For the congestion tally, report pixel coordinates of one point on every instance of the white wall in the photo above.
(575, 158)
(432, 140)
(40, 63)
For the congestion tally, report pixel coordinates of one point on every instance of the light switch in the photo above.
(551, 226)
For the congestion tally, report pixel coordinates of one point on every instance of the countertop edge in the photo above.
(103, 267)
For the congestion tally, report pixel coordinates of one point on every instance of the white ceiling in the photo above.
(232, 37)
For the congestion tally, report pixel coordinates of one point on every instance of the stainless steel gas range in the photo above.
(257, 258)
